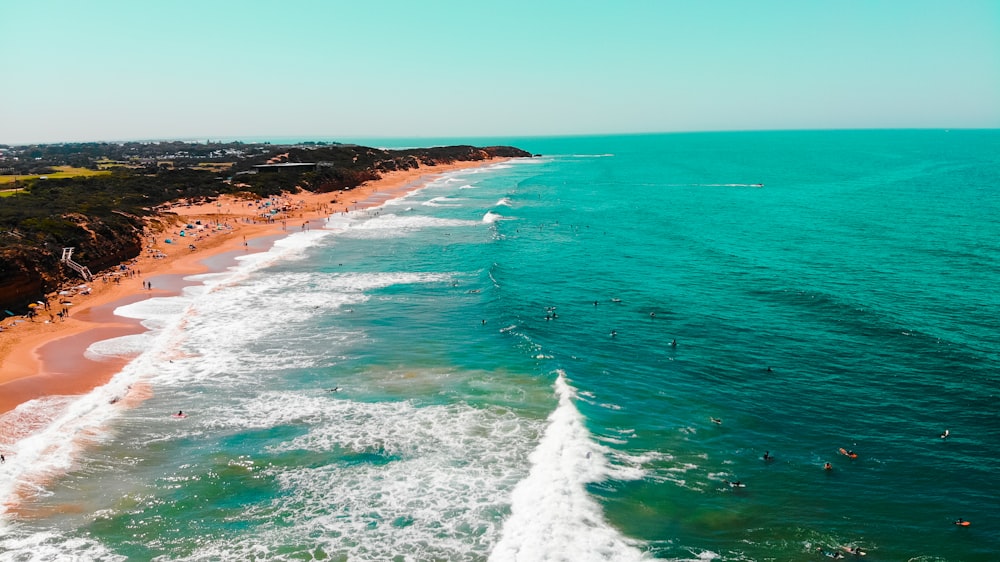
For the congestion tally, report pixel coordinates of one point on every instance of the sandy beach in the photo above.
(44, 356)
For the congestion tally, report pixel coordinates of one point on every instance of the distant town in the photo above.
(62, 160)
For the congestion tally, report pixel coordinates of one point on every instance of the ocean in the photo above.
(571, 357)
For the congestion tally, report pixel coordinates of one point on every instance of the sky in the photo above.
(222, 70)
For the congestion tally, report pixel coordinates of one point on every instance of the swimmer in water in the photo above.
(767, 456)
(827, 466)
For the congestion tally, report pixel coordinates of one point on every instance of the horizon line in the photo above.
(326, 138)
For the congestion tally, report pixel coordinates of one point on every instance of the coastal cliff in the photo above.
(104, 218)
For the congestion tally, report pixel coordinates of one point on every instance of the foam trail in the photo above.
(490, 217)
(552, 515)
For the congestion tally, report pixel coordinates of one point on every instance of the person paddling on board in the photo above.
(767, 456)
(962, 522)
(945, 434)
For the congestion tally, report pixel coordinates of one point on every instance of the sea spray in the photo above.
(552, 515)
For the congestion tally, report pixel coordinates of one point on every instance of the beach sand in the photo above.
(45, 357)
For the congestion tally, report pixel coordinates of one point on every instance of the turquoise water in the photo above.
(484, 370)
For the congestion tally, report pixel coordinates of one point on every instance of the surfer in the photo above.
(673, 343)
(716, 420)
(962, 522)
(2, 459)
(736, 484)
(945, 434)
(614, 333)
(827, 466)
(829, 554)
(767, 456)
(855, 550)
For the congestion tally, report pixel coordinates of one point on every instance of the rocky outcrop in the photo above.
(28, 272)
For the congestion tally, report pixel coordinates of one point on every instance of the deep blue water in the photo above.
(529, 358)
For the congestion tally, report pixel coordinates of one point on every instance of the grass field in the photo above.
(63, 172)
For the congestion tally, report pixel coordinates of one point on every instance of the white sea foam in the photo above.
(392, 225)
(443, 202)
(490, 217)
(552, 515)
(24, 546)
(68, 425)
(504, 202)
(431, 481)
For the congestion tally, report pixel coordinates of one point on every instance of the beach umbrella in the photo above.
(32, 305)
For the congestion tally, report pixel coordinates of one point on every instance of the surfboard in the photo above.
(178, 416)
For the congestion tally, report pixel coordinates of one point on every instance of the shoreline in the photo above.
(46, 357)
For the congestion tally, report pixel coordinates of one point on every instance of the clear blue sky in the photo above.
(119, 70)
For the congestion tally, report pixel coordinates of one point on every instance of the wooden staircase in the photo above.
(67, 258)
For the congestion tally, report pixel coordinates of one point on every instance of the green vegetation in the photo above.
(61, 173)
(102, 213)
